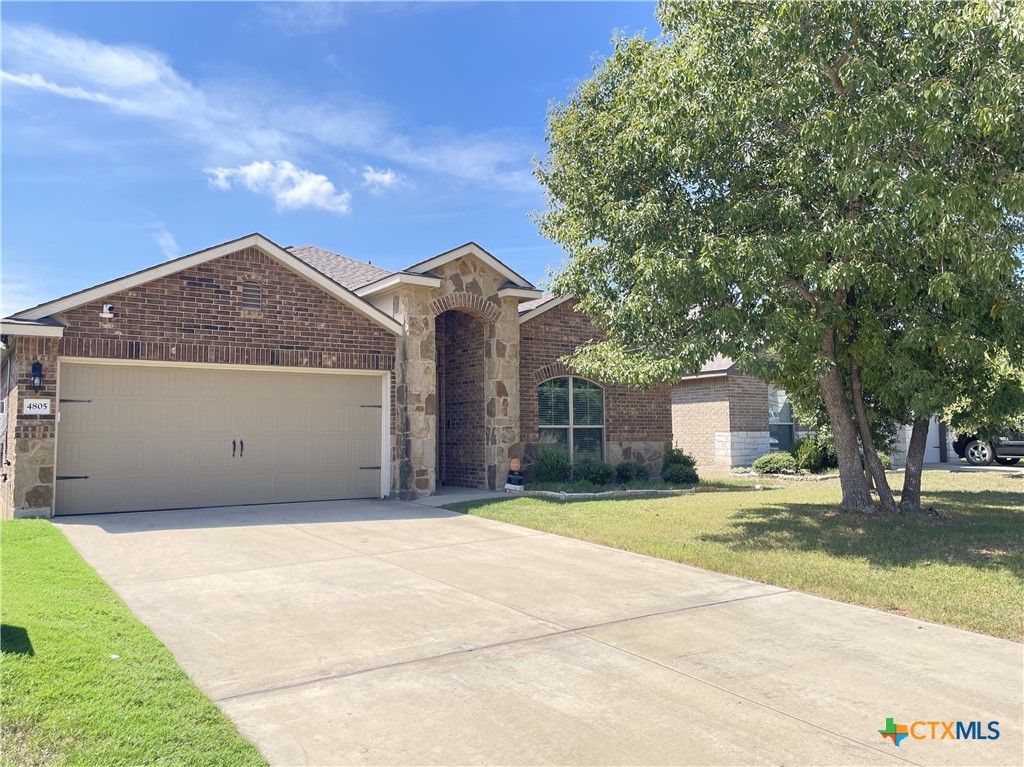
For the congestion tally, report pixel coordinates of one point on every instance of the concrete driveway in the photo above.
(380, 632)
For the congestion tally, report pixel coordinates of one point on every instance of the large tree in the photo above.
(809, 188)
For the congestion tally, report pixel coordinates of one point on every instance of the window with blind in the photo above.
(781, 427)
(252, 297)
(571, 417)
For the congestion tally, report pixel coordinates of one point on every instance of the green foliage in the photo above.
(807, 188)
(594, 471)
(815, 454)
(775, 463)
(674, 456)
(631, 471)
(680, 474)
(886, 461)
(550, 465)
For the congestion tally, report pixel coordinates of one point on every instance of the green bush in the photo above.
(886, 461)
(593, 470)
(550, 465)
(676, 457)
(680, 474)
(631, 471)
(815, 454)
(775, 463)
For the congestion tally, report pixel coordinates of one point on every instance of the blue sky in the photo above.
(389, 132)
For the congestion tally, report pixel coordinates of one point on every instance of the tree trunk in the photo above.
(871, 460)
(856, 496)
(910, 500)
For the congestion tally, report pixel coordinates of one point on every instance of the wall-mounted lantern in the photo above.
(37, 376)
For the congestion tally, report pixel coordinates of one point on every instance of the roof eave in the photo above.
(539, 310)
(471, 248)
(256, 240)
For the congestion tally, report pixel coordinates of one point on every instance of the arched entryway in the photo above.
(461, 437)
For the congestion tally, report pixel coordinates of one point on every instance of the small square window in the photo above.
(252, 297)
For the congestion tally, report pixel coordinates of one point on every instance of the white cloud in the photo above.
(290, 187)
(378, 181)
(305, 18)
(167, 243)
(236, 124)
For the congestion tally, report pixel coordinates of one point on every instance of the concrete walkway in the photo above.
(380, 632)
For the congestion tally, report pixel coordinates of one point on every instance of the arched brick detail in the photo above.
(470, 303)
(554, 370)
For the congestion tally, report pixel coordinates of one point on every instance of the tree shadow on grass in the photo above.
(14, 639)
(984, 530)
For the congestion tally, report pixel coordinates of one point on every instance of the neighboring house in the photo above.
(724, 419)
(251, 373)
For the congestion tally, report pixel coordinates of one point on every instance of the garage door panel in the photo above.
(156, 437)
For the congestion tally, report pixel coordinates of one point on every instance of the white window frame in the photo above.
(571, 426)
(791, 423)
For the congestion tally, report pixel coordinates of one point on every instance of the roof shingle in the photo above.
(347, 272)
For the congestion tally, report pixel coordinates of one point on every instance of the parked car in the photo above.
(1007, 449)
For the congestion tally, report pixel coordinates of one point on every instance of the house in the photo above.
(725, 419)
(252, 373)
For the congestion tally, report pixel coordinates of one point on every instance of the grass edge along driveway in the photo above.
(66, 698)
(967, 571)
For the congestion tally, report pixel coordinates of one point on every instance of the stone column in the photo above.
(501, 393)
(415, 469)
(32, 465)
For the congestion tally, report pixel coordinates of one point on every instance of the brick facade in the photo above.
(464, 369)
(194, 316)
(722, 421)
(460, 396)
(637, 423)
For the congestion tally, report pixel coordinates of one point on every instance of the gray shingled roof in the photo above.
(526, 306)
(345, 271)
(719, 364)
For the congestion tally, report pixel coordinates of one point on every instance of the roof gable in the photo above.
(271, 249)
(472, 249)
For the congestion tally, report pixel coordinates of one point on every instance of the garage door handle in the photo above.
(234, 446)
(241, 448)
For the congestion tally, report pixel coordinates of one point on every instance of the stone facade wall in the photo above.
(460, 398)
(638, 423)
(469, 286)
(8, 401)
(29, 442)
(700, 410)
(740, 448)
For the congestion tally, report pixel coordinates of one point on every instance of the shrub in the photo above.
(815, 454)
(550, 465)
(775, 463)
(593, 470)
(680, 474)
(886, 461)
(676, 457)
(631, 471)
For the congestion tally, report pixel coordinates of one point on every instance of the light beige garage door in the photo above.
(132, 438)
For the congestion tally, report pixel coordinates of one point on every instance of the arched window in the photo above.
(571, 417)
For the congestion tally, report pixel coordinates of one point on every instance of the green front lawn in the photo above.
(82, 681)
(967, 571)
